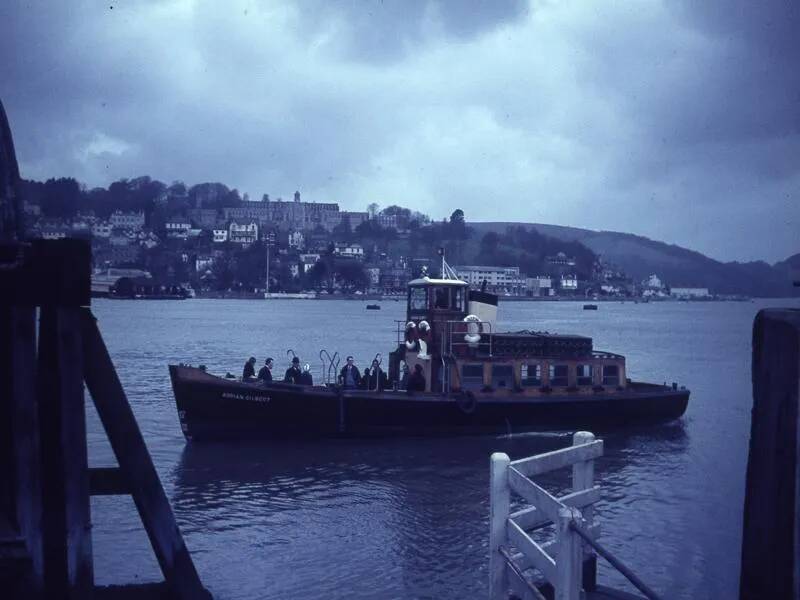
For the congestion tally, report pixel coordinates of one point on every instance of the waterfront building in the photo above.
(568, 283)
(308, 261)
(541, 285)
(686, 293)
(498, 279)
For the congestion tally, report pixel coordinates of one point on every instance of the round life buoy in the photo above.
(473, 335)
(424, 334)
(411, 336)
(467, 402)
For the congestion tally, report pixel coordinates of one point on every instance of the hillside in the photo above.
(639, 257)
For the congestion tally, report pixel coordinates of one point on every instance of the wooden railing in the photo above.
(566, 563)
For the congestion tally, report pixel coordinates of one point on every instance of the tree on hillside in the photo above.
(61, 197)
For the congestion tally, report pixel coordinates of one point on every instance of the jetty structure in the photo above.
(50, 346)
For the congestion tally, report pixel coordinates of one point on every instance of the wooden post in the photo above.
(499, 506)
(66, 519)
(771, 532)
(583, 479)
(568, 563)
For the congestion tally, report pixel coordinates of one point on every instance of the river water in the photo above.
(409, 518)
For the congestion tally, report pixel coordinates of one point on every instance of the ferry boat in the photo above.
(475, 380)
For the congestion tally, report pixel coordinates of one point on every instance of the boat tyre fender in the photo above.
(467, 402)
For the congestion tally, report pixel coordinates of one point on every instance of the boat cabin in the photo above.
(450, 331)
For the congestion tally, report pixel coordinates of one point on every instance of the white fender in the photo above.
(473, 335)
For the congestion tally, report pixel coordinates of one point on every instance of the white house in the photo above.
(177, 227)
(243, 231)
(349, 250)
(308, 261)
(220, 235)
(101, 229)
(296, 240)
(541, 285)
(569, 283)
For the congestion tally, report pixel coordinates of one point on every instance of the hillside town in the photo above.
(149, 238)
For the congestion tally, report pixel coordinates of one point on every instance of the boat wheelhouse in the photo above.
(450, 333)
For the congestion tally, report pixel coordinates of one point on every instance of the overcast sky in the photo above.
(675, 120)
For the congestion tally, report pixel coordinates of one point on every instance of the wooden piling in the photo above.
(771, 532)
(568, 565)
(499, 507)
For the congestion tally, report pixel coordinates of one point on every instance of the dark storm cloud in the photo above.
(676, 120)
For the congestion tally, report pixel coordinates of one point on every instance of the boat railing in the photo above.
(567, 562)
(329, 363)
(456, 338)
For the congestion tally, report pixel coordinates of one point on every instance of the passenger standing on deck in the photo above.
(293, 373)
(416, 383)
(349, 376)
(376, 378)
(305, 376)
(249, 371)
(265, 374)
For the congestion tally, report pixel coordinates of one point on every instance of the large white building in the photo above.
(501, 279)
(127, 220)
(679, 292)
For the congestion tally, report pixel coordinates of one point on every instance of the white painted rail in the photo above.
(566, 562)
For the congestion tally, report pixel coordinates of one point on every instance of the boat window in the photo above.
(458, 299)
(559, 375)
(502, 376)
(610, 375)
(531, 375)
(584, 373)
(441, 297)
(471, 377)
(417, 299)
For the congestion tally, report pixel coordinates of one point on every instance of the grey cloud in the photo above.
(673, 121)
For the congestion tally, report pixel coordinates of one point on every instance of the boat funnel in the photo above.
(484, 306)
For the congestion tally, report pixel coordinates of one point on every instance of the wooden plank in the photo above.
(531, 518)
(551, 547)
(771, 529)
(107, 481)
(26, 438)
(66, 519)
(564, 457)
(535, 494)
(537, 557)
(137, 466)
(568, 567)
(499, 502)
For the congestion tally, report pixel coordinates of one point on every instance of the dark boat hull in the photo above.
(211, 407)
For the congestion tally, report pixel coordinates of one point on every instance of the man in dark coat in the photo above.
(349, 376)
(265, 374)
(293, 373)
(249, 371)
(376, 378)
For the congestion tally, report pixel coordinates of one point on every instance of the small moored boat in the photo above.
(475, 380)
